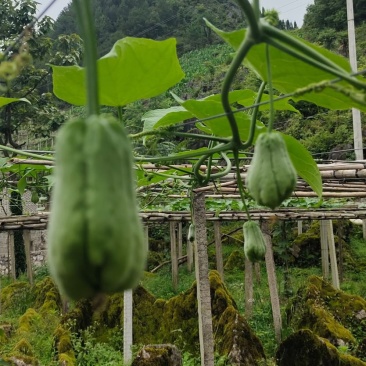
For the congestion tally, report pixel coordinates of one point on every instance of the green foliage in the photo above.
(167, 18)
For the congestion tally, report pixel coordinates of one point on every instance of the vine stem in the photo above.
(87, 29)
(240, 183)
(270, 88)
(24, 153)
(242, 52)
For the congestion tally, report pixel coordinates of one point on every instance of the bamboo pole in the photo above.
(218, 247)
(332, 255)
(248, 288)
(299, 227)
(12, 255)
(324, 248)
(180, 240)
(272, 282)
(127, 326)
(174, 256)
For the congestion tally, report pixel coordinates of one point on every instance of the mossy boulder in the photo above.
(241, 350)
(28, 320)
(235, 261)
(331, 314)
(175, 321)
(47, 296)
(158, 355)
(304, 348)
(63, 349)
(14, 294)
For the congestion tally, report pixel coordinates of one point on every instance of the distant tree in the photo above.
(332, 14)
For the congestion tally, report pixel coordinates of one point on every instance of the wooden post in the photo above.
(364, 228)
(27, 247)
(180, 240)
(272, 282)
(332, 255)
(248, 290)
(218, 246)
(324, 248)
(174, 254)
(127, 326)
(189, 255)
(12, 255)
(299, 227)
(340, 249)
(257, 272)
(203, 284)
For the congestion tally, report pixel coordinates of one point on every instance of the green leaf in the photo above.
(5, 101)
(135, 68)
(304, 164)
(22, 183)
(290, 74)
(165, 117)
(247, 98)
(219, 126)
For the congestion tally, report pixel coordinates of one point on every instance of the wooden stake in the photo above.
(324, 248)
(174, 256)
(27, 247)
(272, 282)
(332, 255)
(189, 256)
(218, 246)
(180, 240)
(127, 326)
(299, 227)
(248, 290)
(203, 284)
(12, 255)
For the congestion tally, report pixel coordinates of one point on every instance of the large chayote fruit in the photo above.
(95, 237)
(254, 244)
(271, 176)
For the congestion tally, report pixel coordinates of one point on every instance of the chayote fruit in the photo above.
(95, 237)
(34, 197)
(254, 244)
(271, 176)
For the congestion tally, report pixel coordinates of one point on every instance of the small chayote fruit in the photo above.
(254, 244)
(271, 175)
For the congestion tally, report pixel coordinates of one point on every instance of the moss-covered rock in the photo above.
(304, 348)
(158, 355)
(175, 321)
(63, 346)
(329, 313)
(47, 296)
(235, 261)
(14, 294)
(28, 320)
(230, 340)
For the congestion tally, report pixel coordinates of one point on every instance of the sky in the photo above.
(293, 10)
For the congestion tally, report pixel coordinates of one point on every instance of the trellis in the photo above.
(340, 180)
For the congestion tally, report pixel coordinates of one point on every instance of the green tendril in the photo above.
(239, 183)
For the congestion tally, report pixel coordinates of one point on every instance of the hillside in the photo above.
(115, 19)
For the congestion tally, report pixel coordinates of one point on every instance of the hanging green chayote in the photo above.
(95, 238)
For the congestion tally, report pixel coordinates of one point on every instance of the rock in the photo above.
(304, 348)
(158, 355)
(329, 313)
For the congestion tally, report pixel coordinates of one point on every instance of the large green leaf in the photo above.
(218, 126)
(290, 74)
(247, 98)
(135, 68)
(304, 164)
(158, 118)
(4, 101)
